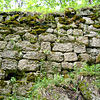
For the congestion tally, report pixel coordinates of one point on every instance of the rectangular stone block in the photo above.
(51, 67)
(45, 46)
(95, 42)
(9, 54)
(77, 32)
(9, 64)
(82, 40)
(34, 55)
(47, 37)
(63, 47)
(67, 65)
(84, 57)
(70, 56)
(28, 65)
(3, 44)
(79, 48)
(55, 56)
(26, 45)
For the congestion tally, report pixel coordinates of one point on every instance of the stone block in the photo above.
(49, 30)
(67, 65)
(70, 56)
(28, 65)
(12, 37)
(26, 45)
(34, 55)
(9, 54)
(9, 64)
(79, 48)
(55, 56)
(3, 44)
(63, 47)
(79, 64)
(82, 40)
(30, 37)
(5, 87)
(64, 39)
(77, 32)
(84, 57)
(88, 20)
(45, 46)
(47, 37)
(51, 67)
(95, 42)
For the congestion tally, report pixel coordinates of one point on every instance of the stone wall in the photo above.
(32, 44)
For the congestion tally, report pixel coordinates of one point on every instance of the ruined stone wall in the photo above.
(54, 43)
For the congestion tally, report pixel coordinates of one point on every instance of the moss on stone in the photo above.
(12, 18)
(2, 83)
(31, 77)
(84, 88)
(1, 97)
(8, 22)
(82, 20)
(70, 12)
(39, 31)
(96, 25)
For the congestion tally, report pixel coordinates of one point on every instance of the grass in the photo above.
(74, 78)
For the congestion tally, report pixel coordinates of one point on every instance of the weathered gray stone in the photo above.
(95, 42)
(1, 37)
(28, 65)
(91, 34)
(69, 31)
(63, 47)
(26, 45)
(77, 32)
(93, 52)
(45, 46)
(91, 28)
(64, 39)
(3, 44)
(5, 88)
(72, 25)
(9, 64)
(12, 37)
(82, 39)
(51, 67)
(61, 32)
(79, 64)
(9, 54)
(1, 18)
(30, 37)
(66, 65)
(49, 30)
(5, 31)
(34, 55)
(88, 20)
(70, 56)
(55, 56)
(79, 48)
(84, 57)
(47, 37)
